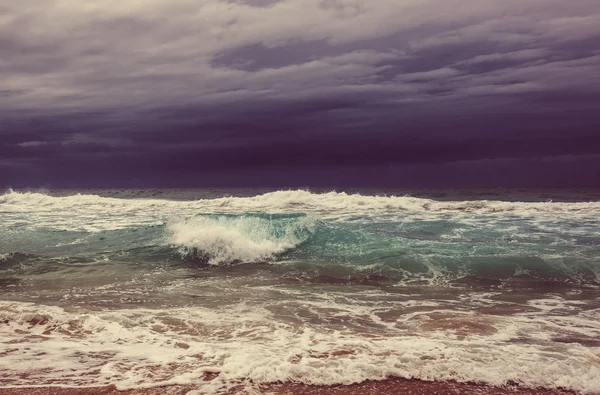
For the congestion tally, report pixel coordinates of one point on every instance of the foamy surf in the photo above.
(262, 344)
(294, 286)
(90, 212)
(239, 239)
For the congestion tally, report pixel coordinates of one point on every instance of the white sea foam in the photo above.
(247, 239)
(330, 339)
(94, 213)
(141, 348)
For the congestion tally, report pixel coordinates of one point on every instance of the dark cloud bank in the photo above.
(427, 93)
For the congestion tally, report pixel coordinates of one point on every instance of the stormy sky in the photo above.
(418, 93)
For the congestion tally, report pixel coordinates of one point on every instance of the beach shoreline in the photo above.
(389, 386)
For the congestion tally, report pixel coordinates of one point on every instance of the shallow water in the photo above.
(142, 288)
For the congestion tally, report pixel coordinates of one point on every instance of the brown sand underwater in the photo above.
(384, 387)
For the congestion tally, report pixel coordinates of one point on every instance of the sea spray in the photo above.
(219, 239)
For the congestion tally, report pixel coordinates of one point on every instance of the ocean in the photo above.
(227, 288)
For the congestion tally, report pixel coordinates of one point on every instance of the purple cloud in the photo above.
(84, 84)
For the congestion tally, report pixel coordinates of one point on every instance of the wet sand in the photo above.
(392, 386)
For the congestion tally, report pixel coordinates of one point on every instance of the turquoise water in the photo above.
(377, 241)
(395, 280)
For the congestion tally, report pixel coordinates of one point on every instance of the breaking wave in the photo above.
(294, 286)
(330, 237)
(220, 239)
(292, 201)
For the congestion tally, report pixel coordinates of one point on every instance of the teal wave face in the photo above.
(348, 238)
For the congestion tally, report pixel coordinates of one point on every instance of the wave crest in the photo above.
(220, 239)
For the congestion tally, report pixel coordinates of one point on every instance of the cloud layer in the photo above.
(152, 90)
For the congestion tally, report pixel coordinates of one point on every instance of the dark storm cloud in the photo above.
(114, 89)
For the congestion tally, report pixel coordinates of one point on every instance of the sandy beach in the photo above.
(384, 387)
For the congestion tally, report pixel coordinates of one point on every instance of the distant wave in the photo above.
(11, 258)
(297, 201)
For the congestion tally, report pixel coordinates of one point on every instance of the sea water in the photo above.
(143, 288)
